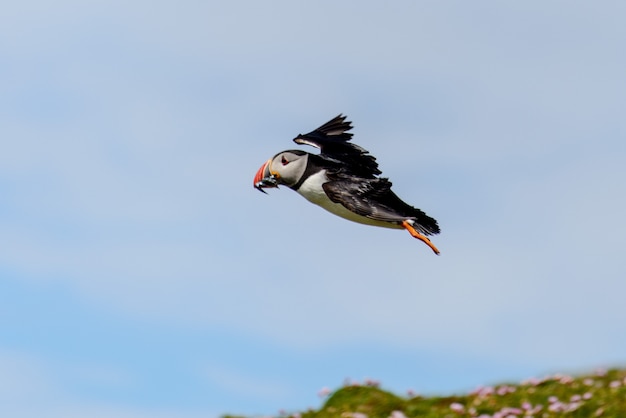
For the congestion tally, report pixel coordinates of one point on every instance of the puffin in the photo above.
(343, 178)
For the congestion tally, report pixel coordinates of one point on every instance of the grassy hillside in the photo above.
(602, 394)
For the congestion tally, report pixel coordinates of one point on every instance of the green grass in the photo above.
(602, 394)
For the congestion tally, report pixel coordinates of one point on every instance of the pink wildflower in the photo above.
(533, 381)
(588, 382)
(573, 406)
(323, 392)
(553, 399)
(397, 414)
(503, 390)
(615, 384)
(587, 396)
(575, 398)
(508, 411)
(556, 407)
(457, 407)
(483, 391)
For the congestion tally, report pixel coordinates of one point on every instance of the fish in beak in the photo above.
(264, 177)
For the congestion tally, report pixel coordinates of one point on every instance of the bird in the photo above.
(343, 178)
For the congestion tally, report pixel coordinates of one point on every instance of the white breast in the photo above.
(312, 191)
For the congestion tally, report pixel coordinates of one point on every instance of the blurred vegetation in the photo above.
(602, 394)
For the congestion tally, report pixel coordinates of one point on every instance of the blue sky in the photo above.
(141, 275)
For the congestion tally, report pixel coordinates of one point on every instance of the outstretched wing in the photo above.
(374, 199)
(332, 138)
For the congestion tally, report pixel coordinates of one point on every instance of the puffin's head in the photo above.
(286, 168)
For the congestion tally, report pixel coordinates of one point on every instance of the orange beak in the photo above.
(264, 177)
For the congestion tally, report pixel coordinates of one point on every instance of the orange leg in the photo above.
(419, 236)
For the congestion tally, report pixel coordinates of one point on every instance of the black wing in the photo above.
(332, 138)
(374, 199)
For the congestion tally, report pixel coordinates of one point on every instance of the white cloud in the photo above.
(29, 387)
(23, 378)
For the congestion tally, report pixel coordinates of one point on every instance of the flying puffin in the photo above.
(343, 179)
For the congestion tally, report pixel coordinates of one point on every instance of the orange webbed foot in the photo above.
(419, 236)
